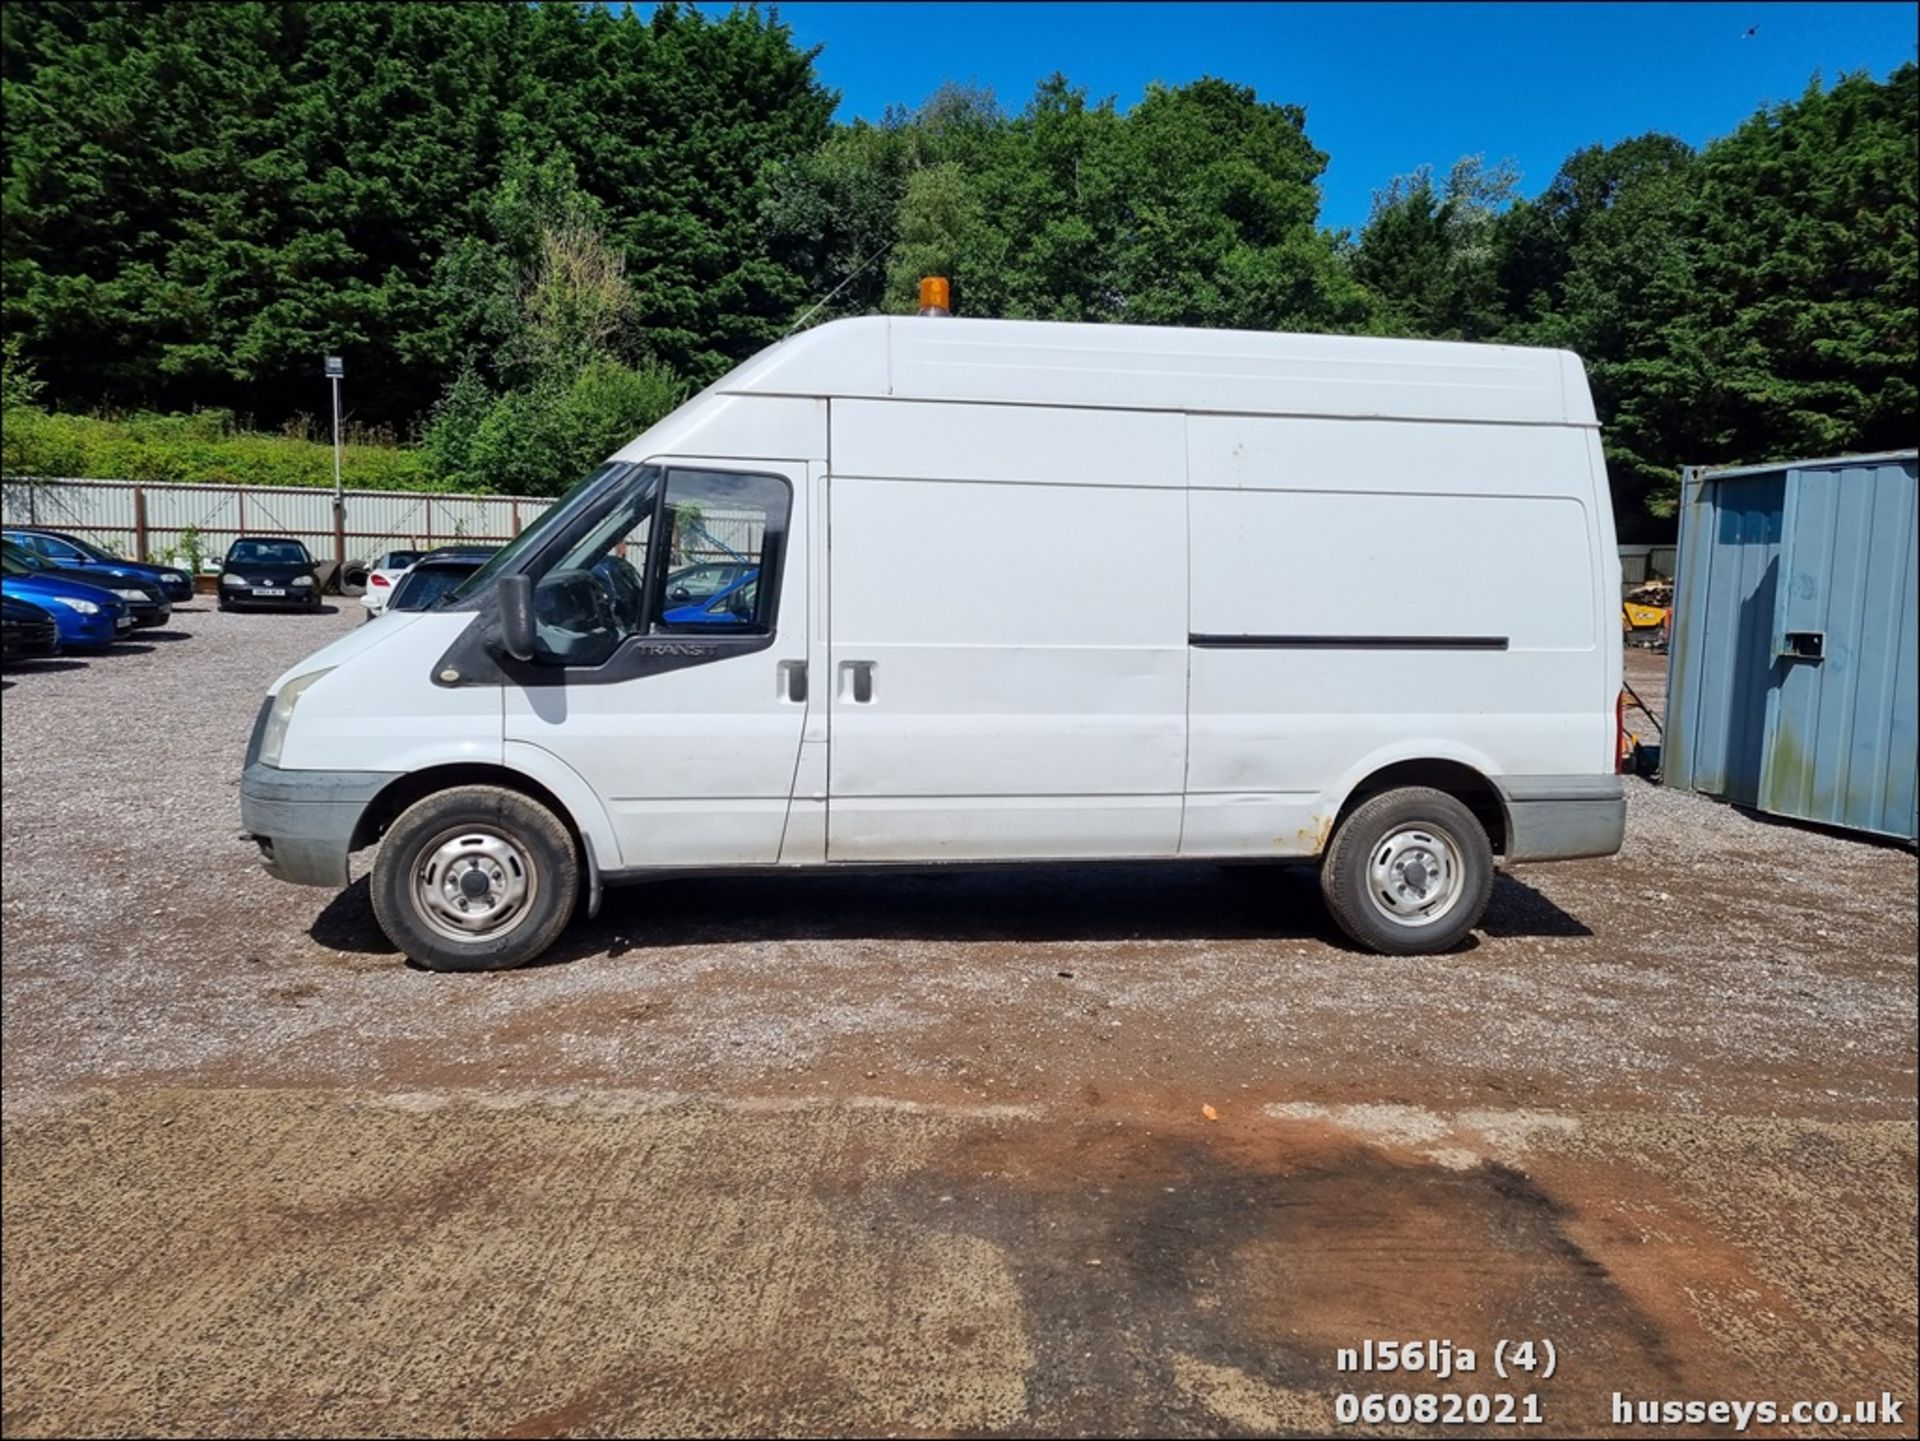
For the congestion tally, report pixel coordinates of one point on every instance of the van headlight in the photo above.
(281, 715)
(85, 607)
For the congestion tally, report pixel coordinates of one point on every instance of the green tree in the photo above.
(1756, 301)
(202, 199)
(1796, 332)
(1431, 253)
(566, 397)
(1198, 207)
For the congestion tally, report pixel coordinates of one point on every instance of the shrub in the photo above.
(203, 447)
(539, 439)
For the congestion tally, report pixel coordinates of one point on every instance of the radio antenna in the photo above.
(852, 275)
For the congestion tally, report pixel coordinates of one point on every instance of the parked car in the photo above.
(383, 574)
(704, 581)
(731, 605)
(146, 603)
(86, 616)
(27, 631)
(69, 552)
(268, 570)
(436, 573)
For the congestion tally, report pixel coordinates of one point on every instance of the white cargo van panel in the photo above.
(844, 357)
(1247, 452)
(1023, 647)
(1011, 567)
(988, 828)
(1037, 720)
(1276, 720)
(1313, 564)
(345, 720)
(1265, 823)
(1155, 368)
(917, 440)
(773, 427)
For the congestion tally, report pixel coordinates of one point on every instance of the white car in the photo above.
(383, 574)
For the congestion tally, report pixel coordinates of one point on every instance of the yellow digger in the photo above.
(1646, 615)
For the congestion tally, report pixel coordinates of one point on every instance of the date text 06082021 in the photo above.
(1440, 1358)
(1443, 1408)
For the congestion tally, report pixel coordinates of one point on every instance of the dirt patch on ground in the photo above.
(284, 1263)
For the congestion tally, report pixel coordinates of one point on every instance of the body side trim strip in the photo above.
(1348, 642)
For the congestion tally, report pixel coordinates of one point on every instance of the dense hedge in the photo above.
(203, 447)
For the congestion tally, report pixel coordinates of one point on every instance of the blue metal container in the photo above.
(1793, 681)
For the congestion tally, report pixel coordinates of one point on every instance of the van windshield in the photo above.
(589, 494)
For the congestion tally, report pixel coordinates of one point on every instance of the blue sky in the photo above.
(1386, 87)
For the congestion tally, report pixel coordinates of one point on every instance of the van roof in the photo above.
(1143, 367)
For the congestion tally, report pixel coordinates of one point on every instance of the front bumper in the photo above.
(303, 821)
(103, 628)
(1563, 818)
(149, 613)
(32, 642)
(305, 596)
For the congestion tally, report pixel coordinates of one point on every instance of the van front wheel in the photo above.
(1408, 873)
(476, 878)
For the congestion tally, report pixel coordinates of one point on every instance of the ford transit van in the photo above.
(991, 591)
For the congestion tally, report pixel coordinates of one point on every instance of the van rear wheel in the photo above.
(1408, 873)
(475, 878)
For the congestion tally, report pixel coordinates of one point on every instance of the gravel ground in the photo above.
(1674, 1088)
(144, 942)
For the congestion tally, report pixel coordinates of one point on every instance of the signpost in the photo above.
(335, 369)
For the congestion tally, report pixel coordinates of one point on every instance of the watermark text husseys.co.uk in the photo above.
(1881, 1410)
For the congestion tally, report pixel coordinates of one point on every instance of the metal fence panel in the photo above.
(156, 521)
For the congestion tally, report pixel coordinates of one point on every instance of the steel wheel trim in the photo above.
(1415, 876)
(474, 884)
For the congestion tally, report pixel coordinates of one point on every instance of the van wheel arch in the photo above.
(390, 804)
(1465, 784)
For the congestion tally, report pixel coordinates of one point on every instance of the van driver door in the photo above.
(687, 722)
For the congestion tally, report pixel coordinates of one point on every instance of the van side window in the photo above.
(592, 600)
(724, 531)
(686, 559)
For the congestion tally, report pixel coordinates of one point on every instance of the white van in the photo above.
(918, 591)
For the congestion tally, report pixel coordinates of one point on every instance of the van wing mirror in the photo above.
(516, 615)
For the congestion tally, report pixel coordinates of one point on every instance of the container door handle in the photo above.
(856, 681)
(1804, 645)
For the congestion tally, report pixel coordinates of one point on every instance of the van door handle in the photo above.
(856, 681)
(793, 681)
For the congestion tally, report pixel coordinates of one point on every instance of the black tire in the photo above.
(1406, 825)
(222, 604)
(494, 832)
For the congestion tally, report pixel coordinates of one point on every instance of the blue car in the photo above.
(69, 552)
(144, 602)
(87, 616)
(732, 605)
